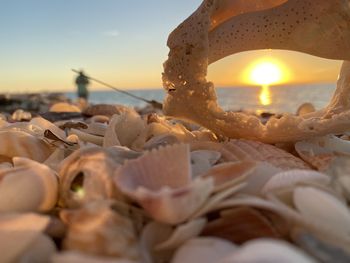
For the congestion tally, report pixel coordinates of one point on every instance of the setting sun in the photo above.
(266, 72)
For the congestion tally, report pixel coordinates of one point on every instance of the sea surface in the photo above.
(275, 99)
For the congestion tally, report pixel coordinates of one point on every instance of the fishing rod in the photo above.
(154, 103)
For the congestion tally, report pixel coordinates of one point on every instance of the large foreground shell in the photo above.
(29, 186)
(161, 182)
(18, 232)
(86, 175)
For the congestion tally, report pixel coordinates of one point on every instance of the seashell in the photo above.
(257, 151)
(240, 225)
(22, 144)
(182, 233)
(29, 186)
(96, 229)
(86, 175)
(226, 155)
(321, 151)
(55, 159)
(230, 173)
(320, 249)
(64, 107)
(18, 232)
(323, 208)
(40, 250)
(160, 126)
(217, 198)
(99, 119)
(256, 179)
(126, 127)
(86, 137)
(203, 160)
(160, 140)
(21, 115)
(305, 108)
(78, 257)
(167, 192)
(63, 125)
(204, 250)
(268, 250)
(46, 125)
(292, 178)
(152, 234)
(96, 128)
(104, 110)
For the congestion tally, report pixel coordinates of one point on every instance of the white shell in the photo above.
(269, 251)
(203, 250)
(323, 208)
(293, 177)
(203, 160)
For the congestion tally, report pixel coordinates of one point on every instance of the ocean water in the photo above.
(275, 99)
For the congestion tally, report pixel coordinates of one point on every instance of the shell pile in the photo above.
(128, 187)
(143, 188)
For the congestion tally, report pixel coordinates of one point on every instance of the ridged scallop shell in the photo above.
(229, 173)
(203, 250)
(18, 232)
(86, 175)
(257, 151)
(293, 177)
(268, 250)
(167, 191)
(98, 230)
(29, 186)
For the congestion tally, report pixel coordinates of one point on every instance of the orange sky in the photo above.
(122, 43)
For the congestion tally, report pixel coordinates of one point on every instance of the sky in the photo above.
(120, 42)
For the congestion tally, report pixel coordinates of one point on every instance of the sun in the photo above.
(266, 72)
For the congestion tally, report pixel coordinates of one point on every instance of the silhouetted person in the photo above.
(82, 82)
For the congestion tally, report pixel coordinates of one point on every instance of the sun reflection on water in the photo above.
(265, 95)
